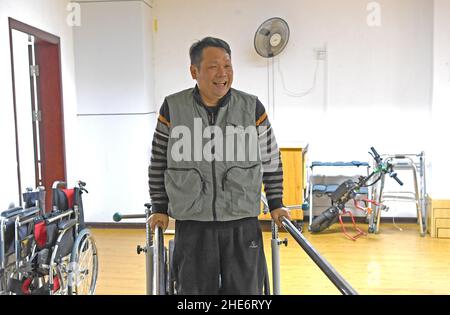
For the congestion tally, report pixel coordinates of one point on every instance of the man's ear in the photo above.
(193, 72)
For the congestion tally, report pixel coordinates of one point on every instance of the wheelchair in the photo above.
(16, 239)
(48, 253)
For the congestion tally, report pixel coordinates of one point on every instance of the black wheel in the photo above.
(325, 220)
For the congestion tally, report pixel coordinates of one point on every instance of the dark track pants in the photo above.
(219, 257)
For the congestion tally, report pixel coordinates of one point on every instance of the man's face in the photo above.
(215, 75)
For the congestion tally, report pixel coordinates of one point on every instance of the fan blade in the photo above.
(264, 31)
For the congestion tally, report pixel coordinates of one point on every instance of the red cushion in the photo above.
(70, 193)
(40, 233)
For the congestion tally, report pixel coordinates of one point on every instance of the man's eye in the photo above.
(212, 67)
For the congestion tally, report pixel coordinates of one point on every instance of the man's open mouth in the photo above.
(220, 83)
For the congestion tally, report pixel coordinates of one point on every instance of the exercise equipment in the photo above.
(349, 190)
(405, 162)
(331, 183)
(159, 258)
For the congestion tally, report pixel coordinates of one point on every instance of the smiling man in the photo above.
(215, 199)
(214, 73)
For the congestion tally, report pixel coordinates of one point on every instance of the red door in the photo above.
(51, 129)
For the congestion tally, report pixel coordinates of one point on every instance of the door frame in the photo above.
(42, 36)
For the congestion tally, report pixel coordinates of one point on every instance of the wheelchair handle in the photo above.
(82, 186)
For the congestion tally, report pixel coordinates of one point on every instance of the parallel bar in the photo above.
(158, 263)
(326, 268)
(132, 216)
(276, 282)
(148, 253)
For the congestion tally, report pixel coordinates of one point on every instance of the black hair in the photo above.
(196, 50)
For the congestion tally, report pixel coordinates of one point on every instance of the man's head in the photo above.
(211, 67)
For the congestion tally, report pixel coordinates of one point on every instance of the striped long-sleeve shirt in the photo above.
(270, 156)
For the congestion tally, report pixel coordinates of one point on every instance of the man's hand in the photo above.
(278, 213)
(159, 219)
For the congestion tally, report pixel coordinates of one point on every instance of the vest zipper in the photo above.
(212, 121)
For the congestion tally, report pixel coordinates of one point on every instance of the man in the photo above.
(208, 177)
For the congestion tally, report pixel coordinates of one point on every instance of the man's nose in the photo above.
(221, 71)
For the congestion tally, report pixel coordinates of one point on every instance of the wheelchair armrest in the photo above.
(11, 212)
(64, 225)
(29, 212)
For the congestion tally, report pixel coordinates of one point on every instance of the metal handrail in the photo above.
(159, 284)
(155, 253)
(340, 283)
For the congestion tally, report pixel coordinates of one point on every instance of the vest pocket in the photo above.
(242, 189)
(184, 187)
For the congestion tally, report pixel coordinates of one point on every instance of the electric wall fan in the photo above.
(271, 37)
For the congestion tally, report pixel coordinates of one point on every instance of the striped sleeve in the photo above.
(271, 159)
(158, 162)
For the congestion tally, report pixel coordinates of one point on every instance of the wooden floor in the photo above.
(392, 262)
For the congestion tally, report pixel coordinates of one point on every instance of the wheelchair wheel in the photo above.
(84, 265)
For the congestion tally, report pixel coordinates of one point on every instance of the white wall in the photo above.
(116, 111)
(113, 58)
(376, 76)
(50, 16)
(369, 66)
(441, 100)
(379, 78)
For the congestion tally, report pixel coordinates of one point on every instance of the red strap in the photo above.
(40, 234)
(70, 193)
(26, 286)
(55, 284)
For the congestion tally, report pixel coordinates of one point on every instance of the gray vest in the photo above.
(214, 171)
